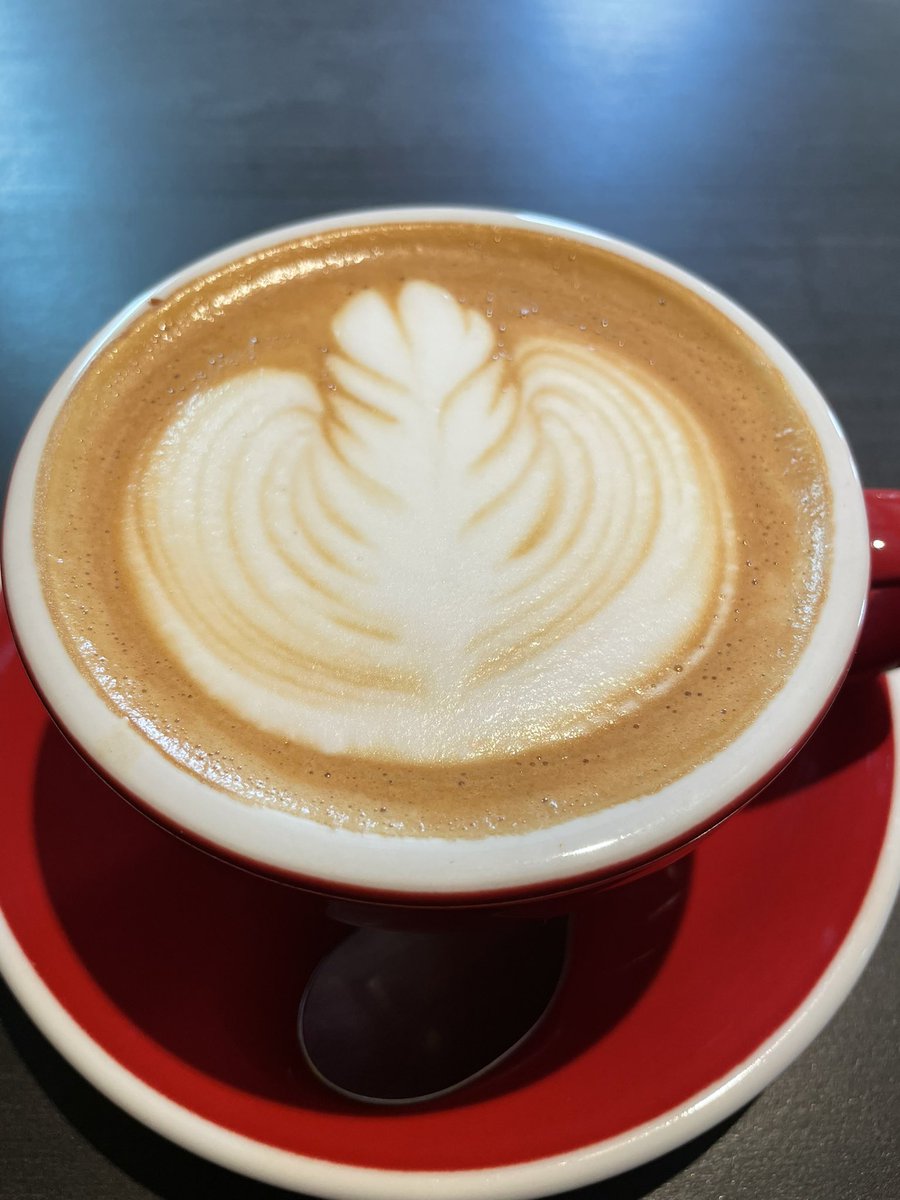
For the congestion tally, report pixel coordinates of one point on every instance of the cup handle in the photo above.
(879, 643)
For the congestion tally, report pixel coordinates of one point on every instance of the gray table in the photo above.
(755, 141)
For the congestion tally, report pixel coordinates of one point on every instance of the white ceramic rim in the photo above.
(541, 1177)
(438, 867)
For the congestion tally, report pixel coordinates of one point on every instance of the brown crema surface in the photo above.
(274, 309)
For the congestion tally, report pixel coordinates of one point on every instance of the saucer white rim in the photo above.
(540, 1177)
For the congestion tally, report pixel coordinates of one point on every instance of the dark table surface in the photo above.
(757, 142)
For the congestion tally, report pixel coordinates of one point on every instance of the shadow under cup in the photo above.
(369, 875)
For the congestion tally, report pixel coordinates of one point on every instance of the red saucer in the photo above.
(172, 980)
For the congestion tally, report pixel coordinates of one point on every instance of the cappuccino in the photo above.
(435, 529)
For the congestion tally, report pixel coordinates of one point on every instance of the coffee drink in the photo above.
(431, 528)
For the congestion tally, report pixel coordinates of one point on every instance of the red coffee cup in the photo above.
(426, 872)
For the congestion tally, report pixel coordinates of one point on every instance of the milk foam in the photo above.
(445, 553)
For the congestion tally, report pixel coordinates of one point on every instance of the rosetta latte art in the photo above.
(445, 554)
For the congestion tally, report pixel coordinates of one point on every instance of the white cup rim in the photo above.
(437, 868)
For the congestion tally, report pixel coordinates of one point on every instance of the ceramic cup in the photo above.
(587, 851)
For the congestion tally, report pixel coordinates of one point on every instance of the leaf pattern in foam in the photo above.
(445, 552)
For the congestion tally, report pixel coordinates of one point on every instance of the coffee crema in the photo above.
(434, 528)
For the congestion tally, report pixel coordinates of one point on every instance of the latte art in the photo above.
(434, 529)
(446, 555)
